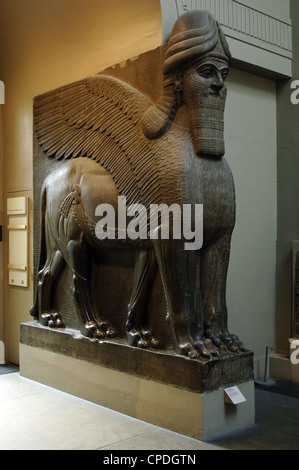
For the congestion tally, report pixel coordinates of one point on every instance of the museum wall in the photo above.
(287, 191)
(1, 223)
(45, 45)
(279, 6)
(250, 135)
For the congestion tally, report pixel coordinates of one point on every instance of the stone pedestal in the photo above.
(170, 391)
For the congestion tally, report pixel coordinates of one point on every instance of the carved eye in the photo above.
(224, 74)
(207, 72)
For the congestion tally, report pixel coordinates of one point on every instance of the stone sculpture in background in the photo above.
(114, 142)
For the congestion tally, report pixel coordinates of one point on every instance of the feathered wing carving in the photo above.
(99, 117)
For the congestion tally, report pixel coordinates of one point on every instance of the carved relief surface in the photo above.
(144, 136)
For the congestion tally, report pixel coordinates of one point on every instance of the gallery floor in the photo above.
(36, 417)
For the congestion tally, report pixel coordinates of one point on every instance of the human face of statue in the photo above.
(213, 75)
(204, 93)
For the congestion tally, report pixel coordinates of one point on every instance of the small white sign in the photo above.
(2, 353)
(17, 278)
(233, 396)
(17, 206)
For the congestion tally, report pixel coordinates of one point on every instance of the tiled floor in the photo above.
(37, 417)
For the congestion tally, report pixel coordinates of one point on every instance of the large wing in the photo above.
(99, 118)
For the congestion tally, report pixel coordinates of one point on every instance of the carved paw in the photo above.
(142, 339)
(99, 330)
(199, 349)
(225, 341)
(52, 320)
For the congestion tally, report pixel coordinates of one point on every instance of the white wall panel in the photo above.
(258, 35)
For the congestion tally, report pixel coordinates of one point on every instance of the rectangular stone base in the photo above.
(203, 415)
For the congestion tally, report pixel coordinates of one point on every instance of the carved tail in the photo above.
(42, 248)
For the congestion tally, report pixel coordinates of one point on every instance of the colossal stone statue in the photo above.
(116, 146)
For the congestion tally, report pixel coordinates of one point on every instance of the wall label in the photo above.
(233, 396)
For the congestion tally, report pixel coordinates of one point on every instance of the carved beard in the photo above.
(206, 111)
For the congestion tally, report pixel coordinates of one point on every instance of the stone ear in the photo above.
(178, 86)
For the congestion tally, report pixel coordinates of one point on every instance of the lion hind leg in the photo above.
(144, 274)
(46, 278)
(80, 263)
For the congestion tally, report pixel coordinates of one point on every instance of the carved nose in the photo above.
(217, 82)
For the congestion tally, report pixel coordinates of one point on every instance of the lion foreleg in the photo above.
(177, 267)
(214, 267)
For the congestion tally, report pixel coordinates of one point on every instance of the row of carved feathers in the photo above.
(99, 118)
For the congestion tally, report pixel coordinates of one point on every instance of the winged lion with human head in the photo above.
(116, 142)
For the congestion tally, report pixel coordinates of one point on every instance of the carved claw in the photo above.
(134, 338)
(149, 336)
(188, 350)
(232, 343)
(107, 329)
(213, 350)
(52, 320)
(110, 333)
(99, 330)
(93, 330)
(216, 340)
(143, 339)
(225, 341)
(238, 343)
(201, 348)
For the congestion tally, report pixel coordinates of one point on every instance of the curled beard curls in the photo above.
(206, 113)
